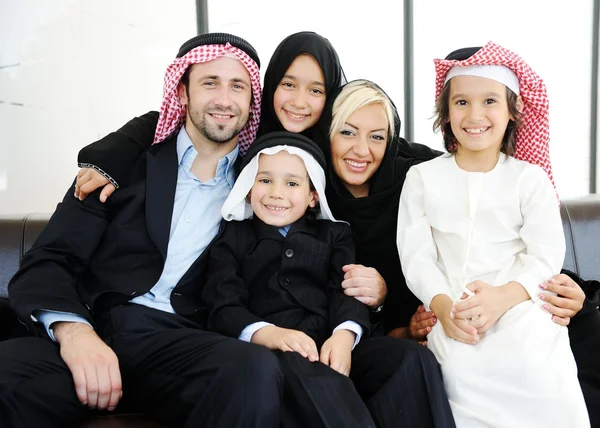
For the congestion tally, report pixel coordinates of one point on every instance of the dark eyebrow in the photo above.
(487, 94)
(218, 78)
(240, 80)
(299, 177)
(316, 82)
(373, 130)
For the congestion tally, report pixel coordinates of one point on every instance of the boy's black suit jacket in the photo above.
(256, 274)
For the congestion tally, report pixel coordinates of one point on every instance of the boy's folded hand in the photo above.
(286, 340)
(336, 352)
(457, 329)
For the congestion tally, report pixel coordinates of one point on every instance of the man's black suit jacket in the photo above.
(92, 256)
(256, 274)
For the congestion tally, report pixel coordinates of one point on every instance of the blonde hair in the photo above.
(355, 95)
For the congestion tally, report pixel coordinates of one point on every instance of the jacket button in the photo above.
(287, 281)
(289, 253)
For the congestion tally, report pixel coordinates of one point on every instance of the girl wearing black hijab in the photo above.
(302, 91)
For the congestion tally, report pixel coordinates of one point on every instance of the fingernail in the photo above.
(541, 296)
(545, 307)
(544, 286)
(110, 409)
(428, 329)
(434, 320)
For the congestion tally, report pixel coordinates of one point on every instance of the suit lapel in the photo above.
(160, 191)
(302, 225)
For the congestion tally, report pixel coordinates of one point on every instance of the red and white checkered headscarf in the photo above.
(172, 113)
(533, 136)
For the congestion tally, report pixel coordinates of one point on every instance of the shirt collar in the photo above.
(284, 230)
(186, 154)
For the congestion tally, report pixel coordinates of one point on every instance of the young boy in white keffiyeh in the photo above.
(478, 230)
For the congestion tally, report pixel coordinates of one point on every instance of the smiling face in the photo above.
(281, 192)
(218, 97)
(357, 149)
(478, 114)
(300, 96)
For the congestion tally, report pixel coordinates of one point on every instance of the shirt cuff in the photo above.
(100, 171)
(47, 318)
(246, 334)
(353, 327)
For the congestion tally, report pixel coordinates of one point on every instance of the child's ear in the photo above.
(519, 104)
(314, 199)
(248, 196)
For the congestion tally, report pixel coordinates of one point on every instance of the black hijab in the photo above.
(374, 218)
(305, 42)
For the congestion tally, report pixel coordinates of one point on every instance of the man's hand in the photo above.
(336, 352)
(88, 180)
(365, 284)
(567, 303)
(286, 340)
(457, 329)
(92, 363)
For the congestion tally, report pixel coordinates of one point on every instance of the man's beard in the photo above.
(215, 132)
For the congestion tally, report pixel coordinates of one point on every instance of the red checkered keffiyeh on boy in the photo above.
(172, 113)
(533, 136)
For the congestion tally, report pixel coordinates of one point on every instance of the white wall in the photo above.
(70, 72)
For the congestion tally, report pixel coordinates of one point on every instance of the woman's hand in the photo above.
(567, 303)
(420, 326)
(364, 284)
(88, 180)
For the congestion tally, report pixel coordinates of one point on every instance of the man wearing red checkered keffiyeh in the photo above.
(173, 113)
(114, 290)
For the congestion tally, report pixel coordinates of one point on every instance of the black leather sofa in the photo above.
(581, 221)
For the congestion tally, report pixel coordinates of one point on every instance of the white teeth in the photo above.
(221, 116)
(356, 164)
(274, 208)
(475, 130)
(296, 116)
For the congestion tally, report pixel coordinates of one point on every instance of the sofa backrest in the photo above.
(581, 222)
(17, 235)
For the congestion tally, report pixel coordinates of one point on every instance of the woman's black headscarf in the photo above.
(305, 42)
(374, 218)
